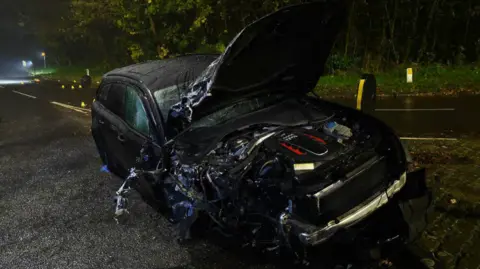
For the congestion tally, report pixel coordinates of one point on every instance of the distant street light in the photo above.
(44, 55)
(27, 64)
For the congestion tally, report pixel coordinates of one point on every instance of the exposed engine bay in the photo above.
(276, 185)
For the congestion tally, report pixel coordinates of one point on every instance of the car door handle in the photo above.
(101, 121)
(121, 138)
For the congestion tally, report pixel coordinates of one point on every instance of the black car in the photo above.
(235, 143)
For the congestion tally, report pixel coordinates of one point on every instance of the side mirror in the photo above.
(367, 93)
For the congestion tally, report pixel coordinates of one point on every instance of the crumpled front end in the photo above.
(393, 217)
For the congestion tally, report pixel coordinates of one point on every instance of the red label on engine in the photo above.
(318, 139)
(292, 149)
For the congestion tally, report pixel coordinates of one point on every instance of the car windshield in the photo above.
(168, 97)
(236, 110)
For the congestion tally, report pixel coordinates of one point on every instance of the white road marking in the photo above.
(74, 108)
(415, 109)
(83, 109)
(24, 94)
(428, 138)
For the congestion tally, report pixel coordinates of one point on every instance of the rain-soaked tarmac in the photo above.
(433, 116)
(56, 211)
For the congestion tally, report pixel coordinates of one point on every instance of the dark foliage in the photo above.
(378, 34)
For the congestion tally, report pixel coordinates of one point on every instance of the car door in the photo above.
(139, 130)
(108, 126)
(121, 126)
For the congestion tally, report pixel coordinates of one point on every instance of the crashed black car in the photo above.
(236, 142)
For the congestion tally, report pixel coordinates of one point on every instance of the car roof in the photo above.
(160, 74)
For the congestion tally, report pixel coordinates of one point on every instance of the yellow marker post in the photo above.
(409, 75)
(83, 104)
(74, 81)
(79, 86)
(93, 100)
(73, 87)
(63, 86)
(360, 94)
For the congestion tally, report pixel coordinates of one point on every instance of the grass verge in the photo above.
(73, 73)
(427, 80)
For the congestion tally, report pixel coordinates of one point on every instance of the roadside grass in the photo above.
(72, 73)
(427, 80)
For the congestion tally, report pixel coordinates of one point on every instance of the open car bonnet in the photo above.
(282, 52)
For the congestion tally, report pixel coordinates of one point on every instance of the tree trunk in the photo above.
(381, 51)
(349, 28)
(153, 30)
(431, 16)
(391, 23)
(413, 33)
(467, 23)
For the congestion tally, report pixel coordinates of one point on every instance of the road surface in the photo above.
(56, 208)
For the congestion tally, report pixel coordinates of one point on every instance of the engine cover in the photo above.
(305, 146)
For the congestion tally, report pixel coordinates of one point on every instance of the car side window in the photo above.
(103, 93)
(135, 113)
(112, 96)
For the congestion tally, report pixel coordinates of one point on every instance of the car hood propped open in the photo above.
(284, 49)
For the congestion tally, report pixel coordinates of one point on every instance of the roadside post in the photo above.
(86, 80)
(410, 75)
(367, 93)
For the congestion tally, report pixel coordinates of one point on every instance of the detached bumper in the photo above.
(409, 192)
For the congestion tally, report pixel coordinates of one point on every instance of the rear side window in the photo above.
(103, 93)
(112, 96)
(135, 113)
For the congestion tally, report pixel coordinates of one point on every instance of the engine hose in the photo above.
(215, 220)
(222, 232)
(282, 231)
(207, 174)
(265, 216)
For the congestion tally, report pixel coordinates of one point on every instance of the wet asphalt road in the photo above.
(427, 116)
(56, 208)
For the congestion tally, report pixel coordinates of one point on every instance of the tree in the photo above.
(378, 34)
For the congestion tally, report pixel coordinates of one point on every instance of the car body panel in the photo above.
(112, 130)
(104, 132)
